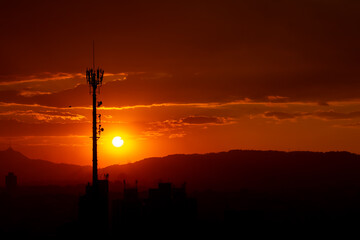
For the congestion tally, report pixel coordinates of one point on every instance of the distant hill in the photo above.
(233, 170)
(238, 169)
(40, 172)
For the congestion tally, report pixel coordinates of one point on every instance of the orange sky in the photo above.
(180, 77)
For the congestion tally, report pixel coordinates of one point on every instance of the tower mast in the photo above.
(94, 78)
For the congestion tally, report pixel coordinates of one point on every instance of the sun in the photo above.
(117, 142)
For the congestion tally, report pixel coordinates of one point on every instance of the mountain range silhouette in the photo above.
(233, 170)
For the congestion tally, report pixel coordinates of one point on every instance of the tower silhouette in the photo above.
(94, 206)
(94, 78)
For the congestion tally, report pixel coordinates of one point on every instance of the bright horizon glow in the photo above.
(117, 141)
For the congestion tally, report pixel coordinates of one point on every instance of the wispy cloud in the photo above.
(31, 116)
(176, 128)
(193, 120)
(333, 115)
(324, 115)
(29, 93)
(204, 120)
(193, 105)
(348, 125)
(177, 135)
(57, 141)
(48, 83)
(44, 77)
(47, 76)
(282, 115)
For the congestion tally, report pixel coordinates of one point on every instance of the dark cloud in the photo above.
(153, 88)
(325, 115)
(176, 128)
(17, 129)
(332, 115)
(349, 125)
(214, 51)
(203, 120)
(31, 116)
(279, 115)
(322, 103)
(282, 115)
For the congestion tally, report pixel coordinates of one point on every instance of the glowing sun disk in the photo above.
(117, 142)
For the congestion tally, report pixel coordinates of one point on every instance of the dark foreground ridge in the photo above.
(232, 170)
(237, 191)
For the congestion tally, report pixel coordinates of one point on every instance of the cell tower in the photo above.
(94, 78)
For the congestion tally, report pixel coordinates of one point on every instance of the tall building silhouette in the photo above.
(166, 207)
(10, 182)
(127, 212)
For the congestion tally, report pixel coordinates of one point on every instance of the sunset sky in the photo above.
(180, 77)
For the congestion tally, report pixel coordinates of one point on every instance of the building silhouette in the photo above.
(10, 182)
(127, 211)
(165, 206)
(169, 205)
(94, 208)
